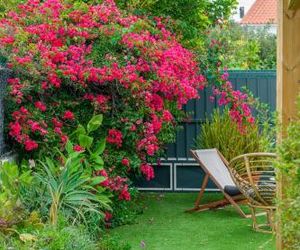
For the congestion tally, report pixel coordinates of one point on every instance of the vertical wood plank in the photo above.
(288, 77)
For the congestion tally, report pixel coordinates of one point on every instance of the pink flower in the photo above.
(44, 85)
(167, 116)
(54, 80)
(78, 148)
(225, 76)
(64, 138)
(68, 115)
(23, 60)
(7, 40)
(15, 129)
(115, 137)
(41, 106)
(133, 127)
(30, 145)
(125, 162)
(251, 120)
(147, 170)
(58, 131)
(105, 183)
(103, 173)
(108, 216)
(125, 195)
(57, 123)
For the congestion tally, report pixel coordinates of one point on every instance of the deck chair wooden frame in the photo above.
(228, 200)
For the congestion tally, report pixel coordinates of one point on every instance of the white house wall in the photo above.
(242, 3)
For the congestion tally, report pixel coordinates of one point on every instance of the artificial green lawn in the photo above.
(165, 226)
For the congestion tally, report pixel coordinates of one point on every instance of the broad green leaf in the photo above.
(85, 141)
(11, 170)
(69, 147)
(97, 167)
(9, 173)
(97, 159)
(97, 180)
(100, 147)
(94, 123)
(80, 130)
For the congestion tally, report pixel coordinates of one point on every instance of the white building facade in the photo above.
(241, 10)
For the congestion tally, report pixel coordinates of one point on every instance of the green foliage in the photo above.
(11, 182)
(113, 242)
(67, 187)
(92, 144)
(244, 47)
(190, 17)
(222, 133)
(126, 212)
(289, 166)
(6, 5)
(63, 236)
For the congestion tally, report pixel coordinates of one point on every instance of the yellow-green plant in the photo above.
(224, 134)
(289, 166)
(11, 182)
(8, 5)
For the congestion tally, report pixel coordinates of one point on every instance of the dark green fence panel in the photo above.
(179, 171)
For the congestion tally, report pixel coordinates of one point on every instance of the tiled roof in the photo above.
(261, 12)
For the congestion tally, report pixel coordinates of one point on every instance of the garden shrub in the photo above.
(75, 60)
(190, 19)
(124, 213)
(12, 210)
(243, 48)
(71, 189)
(69, 184)
(219, 131)
(289, 166)
(62, 236)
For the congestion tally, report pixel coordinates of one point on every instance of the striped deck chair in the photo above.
(215, 168)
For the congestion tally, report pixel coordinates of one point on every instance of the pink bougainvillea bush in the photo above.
(71, 61)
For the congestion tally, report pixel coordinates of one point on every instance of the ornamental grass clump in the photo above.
(221, 132)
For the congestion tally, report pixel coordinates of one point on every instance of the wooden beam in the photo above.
(294, 4)
(288, 75)
(288, 62)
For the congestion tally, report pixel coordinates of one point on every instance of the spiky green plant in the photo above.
(67, 187)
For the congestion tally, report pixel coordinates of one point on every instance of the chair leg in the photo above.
(200, 194)
(254, 220)
(203, 186)
(271, 218)
(260, 227)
